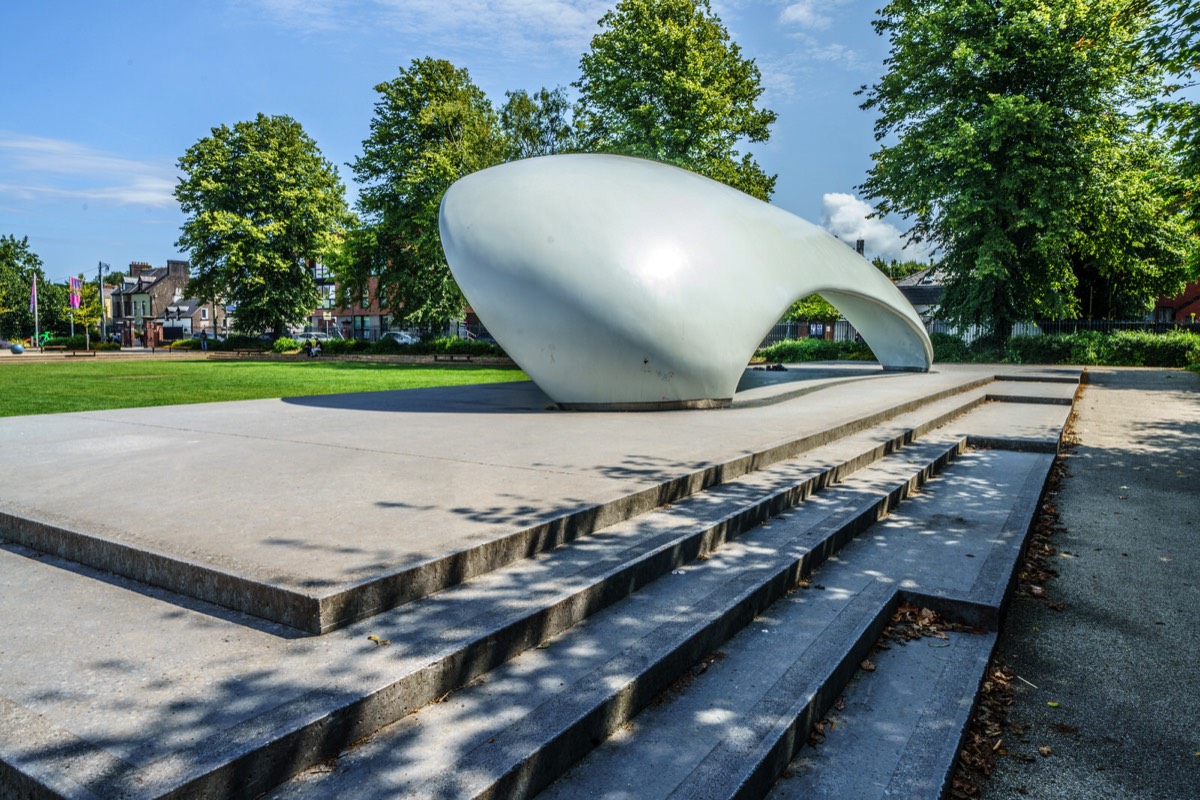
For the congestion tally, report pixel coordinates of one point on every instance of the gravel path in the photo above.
(1122, 659)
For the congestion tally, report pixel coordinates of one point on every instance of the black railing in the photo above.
(843, 331)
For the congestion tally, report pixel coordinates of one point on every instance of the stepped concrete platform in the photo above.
(315, 512)
(201, 678)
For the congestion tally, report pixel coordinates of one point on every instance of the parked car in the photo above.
(400, 337)
(312, 335)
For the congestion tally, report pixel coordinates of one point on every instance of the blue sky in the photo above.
(102, 98)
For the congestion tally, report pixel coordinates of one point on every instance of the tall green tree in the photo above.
(87, 316)
(813, 308)
(19, 265)
(997, 116)
(664, 81)
(1174, 40)
(538, 124)
(263, 206)
(899, 269)
(432, 125)
(1132, 243)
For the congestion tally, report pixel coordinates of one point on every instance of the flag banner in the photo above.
(75, 287)
(33, 297)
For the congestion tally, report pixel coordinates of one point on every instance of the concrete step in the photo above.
(733, 731)
(185, 698)
(203, 566)
(897, 730)
(312, 699)
(581, 686)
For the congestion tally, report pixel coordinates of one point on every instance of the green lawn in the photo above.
(49, 388)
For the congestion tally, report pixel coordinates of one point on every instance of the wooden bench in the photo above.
(453, 357)
(72, 352)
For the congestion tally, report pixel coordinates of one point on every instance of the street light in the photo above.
(101, 268)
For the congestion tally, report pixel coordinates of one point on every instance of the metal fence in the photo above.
(843, 331)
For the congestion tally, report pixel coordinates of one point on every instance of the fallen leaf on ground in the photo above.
(1045, 751)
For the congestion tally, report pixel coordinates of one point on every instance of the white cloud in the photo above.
(806, 14)
(847, 217)
(811, 14)
(37, 167)
(519, 27)
(303, 15)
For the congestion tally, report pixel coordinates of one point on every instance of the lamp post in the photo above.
(101, 268)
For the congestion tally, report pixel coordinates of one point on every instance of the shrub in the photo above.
(77, 342)
(1118, 349)
(1038, 350)
(454, 345)
(797, 350)
(241, 341)
(388, 347)
(1146, 349)
(285, 345)
(949, 349)
(341, 347)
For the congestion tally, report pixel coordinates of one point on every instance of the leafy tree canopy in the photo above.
(540, 124)
(262, 205)
(18, 267)
(1174, 39)
(813, 308)
(997, 115)
(1132, 244)
(431, 126)
(663, 81)
(88, 313)
(899, 269)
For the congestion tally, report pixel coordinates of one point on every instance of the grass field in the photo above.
(49, 388)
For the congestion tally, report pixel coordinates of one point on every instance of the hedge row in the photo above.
(1117, 349)
(438, 346)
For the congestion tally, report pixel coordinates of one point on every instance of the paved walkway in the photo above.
(1121, 660)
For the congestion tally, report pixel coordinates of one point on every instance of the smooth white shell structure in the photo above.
(619, 282)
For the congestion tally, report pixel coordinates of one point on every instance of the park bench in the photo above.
(72, 352)
(453, 357)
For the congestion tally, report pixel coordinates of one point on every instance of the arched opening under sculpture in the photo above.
(616, 282)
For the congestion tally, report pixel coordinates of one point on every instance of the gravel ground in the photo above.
(1117, 671)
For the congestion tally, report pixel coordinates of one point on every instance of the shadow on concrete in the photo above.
(757, 386)
(518, 397)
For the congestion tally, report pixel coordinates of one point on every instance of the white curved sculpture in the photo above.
(623, 283)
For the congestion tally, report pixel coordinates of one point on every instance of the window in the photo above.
(328, 294)
(204, 313)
